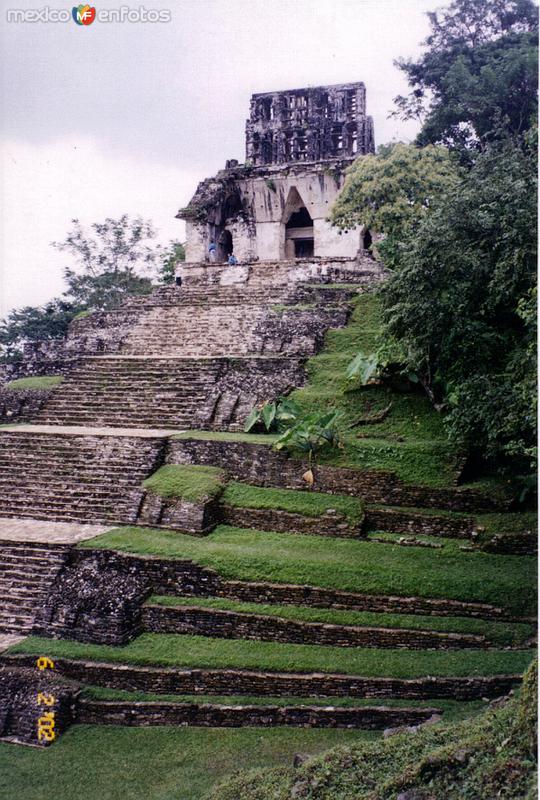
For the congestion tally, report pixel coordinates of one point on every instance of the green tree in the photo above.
(34, 323)
(113, 261)
(175, 255)
(462, 304)
(478, 76)
(391, 192)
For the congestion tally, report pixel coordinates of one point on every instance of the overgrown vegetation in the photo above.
(491, 755)
(408, 438)
(195, 484)
(461, 232)
(477, 78)
(351, 565)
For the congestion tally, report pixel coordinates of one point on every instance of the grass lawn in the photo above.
(309, 504)
(501, 633)
(37, 382)
(174, 650)
(92, 762)
(351, 565)
(192, 483)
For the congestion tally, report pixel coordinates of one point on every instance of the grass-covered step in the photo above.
(452, 709)
(183, 497)
(229, 624)
(163, 667)
(144, 713)
(37, 382)
(345, 565)
(251, 458)
(504, 634)
(211, 653)
(290, 511)
(195, 484)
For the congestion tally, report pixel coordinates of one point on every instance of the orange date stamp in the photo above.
(46, 721)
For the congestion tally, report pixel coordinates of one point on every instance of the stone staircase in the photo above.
(74, 478)
(152, 392)
(26, 572)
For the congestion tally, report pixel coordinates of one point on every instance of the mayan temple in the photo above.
(138, 518)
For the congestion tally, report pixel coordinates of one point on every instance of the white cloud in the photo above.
(45, 186)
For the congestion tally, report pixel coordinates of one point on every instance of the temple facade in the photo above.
(275, 206)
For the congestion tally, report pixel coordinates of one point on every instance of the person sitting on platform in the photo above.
(232, 260)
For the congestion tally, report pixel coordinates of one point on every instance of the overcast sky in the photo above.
(119, 117)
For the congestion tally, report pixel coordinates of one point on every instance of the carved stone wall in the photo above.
(21, 405)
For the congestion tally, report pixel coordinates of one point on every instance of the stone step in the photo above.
(172, 680)
(204, 621)
(27, 571)
(135, 714)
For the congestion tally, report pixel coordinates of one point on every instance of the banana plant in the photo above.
(273, 416)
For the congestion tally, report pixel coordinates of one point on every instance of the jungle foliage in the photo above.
(459, 230)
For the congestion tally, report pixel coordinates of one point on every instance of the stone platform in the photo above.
(47, 531)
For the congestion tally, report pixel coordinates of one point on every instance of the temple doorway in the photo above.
(299, 236)
(225, 245)
(367, 239)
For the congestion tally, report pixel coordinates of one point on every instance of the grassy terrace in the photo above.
(350, 565)
(309, 504)
(452, 709)
(115, 763)
(173, 650)
(37, 382)
(194, 484)
(500, 633)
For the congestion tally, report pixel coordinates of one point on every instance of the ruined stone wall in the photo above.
(268, 196)
(21, 405)
(308, 124)
(163, 680)
(20, 711)
(260, 465)
(235, 625)
(114, 712)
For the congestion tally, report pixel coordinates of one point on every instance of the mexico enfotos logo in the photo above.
(84, 15)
